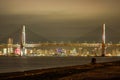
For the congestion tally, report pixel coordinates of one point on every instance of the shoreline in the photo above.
(97, 71)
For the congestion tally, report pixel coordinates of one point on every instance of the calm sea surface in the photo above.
(13, 64)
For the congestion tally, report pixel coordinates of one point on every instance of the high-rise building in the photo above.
(10, 46)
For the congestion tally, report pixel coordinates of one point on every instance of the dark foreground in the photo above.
(98, 71)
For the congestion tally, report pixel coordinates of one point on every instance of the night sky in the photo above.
(61, 20)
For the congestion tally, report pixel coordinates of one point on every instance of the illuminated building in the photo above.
(10, 46)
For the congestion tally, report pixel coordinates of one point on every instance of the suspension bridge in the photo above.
(24, 38)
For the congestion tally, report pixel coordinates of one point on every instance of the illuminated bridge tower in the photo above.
(103, 41)
(23, 41)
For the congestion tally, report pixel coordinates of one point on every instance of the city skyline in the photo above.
(62, 20)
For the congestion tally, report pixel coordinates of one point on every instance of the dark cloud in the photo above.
(61, 20)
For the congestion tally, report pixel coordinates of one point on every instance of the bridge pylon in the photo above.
(23, 41)
(103, 41)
